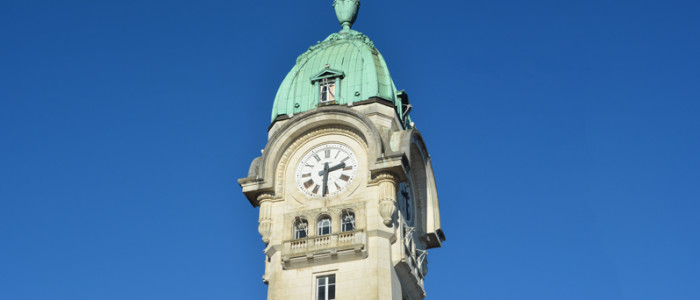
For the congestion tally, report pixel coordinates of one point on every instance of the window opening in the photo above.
(301, 228)
(347, 220)
(324, 225)
(327, 90)
(325, 287)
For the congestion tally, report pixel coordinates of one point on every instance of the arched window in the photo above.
(347, 220)
(301, 228)
(324, 225)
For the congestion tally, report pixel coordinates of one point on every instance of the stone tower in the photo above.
(345, 186)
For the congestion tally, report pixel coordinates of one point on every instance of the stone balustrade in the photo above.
(331, 243)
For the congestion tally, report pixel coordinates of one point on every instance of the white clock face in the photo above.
(326, 170)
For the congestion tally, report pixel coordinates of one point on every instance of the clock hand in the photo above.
(336, 167)
(325, 172)
(331, 169)
(325, 179)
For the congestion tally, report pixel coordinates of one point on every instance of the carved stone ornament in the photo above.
(346, 11)
(265, 221)
(387, 197)
(348, 36)
(265, 197)
(265, 230)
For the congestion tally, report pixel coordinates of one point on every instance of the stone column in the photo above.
(265, 221)
(387, 196)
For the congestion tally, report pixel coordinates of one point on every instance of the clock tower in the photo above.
(345, 186)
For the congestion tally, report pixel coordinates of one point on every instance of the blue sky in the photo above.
(564, 137)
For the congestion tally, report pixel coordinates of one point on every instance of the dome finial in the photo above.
(346, 11)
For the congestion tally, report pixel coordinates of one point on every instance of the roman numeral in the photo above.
(344, 177)
(308, 183)
(347, 168)
(316, 189)
(328, 153)
(317, 158)
(344, 159)
(306, 175)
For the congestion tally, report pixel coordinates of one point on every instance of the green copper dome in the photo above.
(349, 56)
(342, 69)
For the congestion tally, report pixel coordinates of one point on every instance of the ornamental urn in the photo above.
(346, 11)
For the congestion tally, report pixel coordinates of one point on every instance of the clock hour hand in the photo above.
(327, 170)
(336, 167)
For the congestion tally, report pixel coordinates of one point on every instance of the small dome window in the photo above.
(327, 85)
(327, 90)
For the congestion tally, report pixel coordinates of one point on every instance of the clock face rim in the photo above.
(310, 154)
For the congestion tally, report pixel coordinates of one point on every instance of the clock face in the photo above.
(326, 170)
(406, 201)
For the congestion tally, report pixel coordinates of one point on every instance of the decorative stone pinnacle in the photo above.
(346, 11)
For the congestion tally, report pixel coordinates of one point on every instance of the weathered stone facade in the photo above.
(369, 238)
(384, 256)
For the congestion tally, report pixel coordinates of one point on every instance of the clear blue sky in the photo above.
(564, 136)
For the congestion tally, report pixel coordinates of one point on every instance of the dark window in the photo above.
(325, 287)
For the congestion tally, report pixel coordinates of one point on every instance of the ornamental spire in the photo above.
(346, 11)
